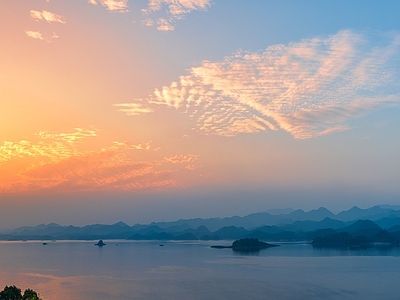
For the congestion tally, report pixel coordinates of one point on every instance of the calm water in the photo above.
(144, 270)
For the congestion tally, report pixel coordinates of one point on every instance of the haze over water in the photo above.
(192, 270)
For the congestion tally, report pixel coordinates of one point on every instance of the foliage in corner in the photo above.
(14, 293)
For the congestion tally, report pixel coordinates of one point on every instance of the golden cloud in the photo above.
(112, 5)
(41, 36)
(53, 163)
(49, 146)
(133, 109)
(182, 159)
(47, 16)
(34, 34)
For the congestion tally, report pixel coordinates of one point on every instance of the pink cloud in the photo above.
(309, 88)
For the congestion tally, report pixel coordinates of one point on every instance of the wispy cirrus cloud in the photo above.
(52, 162)
(309, 88)
(133, 109)
(47, 16)
(69, 138)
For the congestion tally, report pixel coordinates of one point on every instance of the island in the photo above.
(246, 245)
(100, 243)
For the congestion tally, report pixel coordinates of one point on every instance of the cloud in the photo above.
(180, 159)
(41, 36)
(53, 162)
(173, 10)
(148, 22)
(133, 109)
(50, 146)
(69, 138)
(47, 16)
(186, 160)
(309, 88)
(164, 25)
(160, 13)
(110, 168)
(34, 34)
(112, 5)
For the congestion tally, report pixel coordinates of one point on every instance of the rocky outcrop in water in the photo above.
(247, 245)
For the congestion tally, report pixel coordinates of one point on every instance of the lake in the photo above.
(192, 270)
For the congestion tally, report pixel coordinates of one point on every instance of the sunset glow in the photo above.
(179, 108)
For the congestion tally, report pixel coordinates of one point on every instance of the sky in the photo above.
(156, 110)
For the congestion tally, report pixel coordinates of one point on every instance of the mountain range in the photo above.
(273, 225)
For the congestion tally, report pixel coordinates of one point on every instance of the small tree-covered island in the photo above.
(246, 245)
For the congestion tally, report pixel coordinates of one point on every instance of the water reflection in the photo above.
(144, 270)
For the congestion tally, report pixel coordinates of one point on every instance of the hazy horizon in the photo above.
(91, 220)
(158, 110)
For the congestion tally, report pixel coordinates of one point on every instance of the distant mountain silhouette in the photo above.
(314, 225)
(374, 213)
(313, 215)
(280, 211)
(378, 223)
(360, 239)
(320, 233)
(388, 222)
(231, 232)
(362, 228)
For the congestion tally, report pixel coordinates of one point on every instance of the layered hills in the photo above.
(356, 226)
